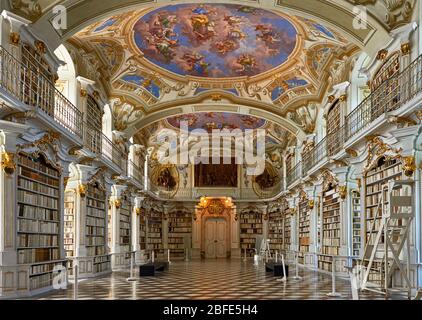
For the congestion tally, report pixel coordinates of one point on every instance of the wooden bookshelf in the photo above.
(96, 199)
(250, 227)
(155, 234)
(356, 224)
(275, 229)
(375, 178)
(142, 231)
(125, 225)
(69, 223)
(179, 227)
(287, 229)
(330, 228)
(304, 226)
(38, 219)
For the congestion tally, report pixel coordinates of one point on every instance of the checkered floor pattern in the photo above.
(210, 279)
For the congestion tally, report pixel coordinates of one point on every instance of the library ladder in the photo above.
(381, 258)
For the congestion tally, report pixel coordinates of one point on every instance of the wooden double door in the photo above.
(215, 238)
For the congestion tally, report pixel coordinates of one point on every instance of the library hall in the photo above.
(222, 150)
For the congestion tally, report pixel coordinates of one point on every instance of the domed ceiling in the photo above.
(215, 40)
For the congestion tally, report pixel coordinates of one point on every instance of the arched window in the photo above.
(66, 82)
(94, 116)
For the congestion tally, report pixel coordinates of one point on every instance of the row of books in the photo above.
(42, 268)
(100, 204)
(95, 251)
(124, 240)
(180, 229)
(37, 255)
(154, 240)
(37, 240)
(95, 231)
(251, 231)
(330, 250)
(332, 219)
(52, 182)
(384, 174)
(37, 165)
(251, 225)
(248, 240)
(95, 222)
(332, 242)
(37, 213)
(334, 233)
(37, 226)
(37, 199)
(124, 225)
(184, 222)
(37, 187)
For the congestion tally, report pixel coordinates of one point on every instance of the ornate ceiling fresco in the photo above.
(149, 59)
(217, 41)
(216, 120)
(277, 138)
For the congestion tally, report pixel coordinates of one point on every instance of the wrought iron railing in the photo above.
(294, 174)
(311, 159)
(32, 88)
(135, 172)
(112, 152)
(389, 96)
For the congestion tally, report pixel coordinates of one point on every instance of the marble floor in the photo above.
(210, 279)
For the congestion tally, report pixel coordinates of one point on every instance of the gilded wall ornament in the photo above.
(14, 38)
(342, 191)
(409, 165)
(405, 48)
(8, 163)
(117, 203)
(378, 148)
(382, 54)
(329, 180)
(82, 188)
(311, 204)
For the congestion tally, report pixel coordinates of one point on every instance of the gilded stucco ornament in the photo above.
(409, 165)
(8, 163)
(311, 204)
(378, 148)
(342, 191)
(117, 203)
(82, 189)
(329, 180)
(28, 8)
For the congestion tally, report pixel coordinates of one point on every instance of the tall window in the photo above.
(386, 80)
(94, 129)
(333, 125)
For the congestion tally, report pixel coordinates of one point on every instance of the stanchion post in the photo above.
(276, 257)
(333, 293)
(296, 277)
(152, 256)
(131, 278)
(75, 278)
(168, 256)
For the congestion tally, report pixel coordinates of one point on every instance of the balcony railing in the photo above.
(294, 174)
(135, 172)
(35, 90)
(100, 145)
(388, 97)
